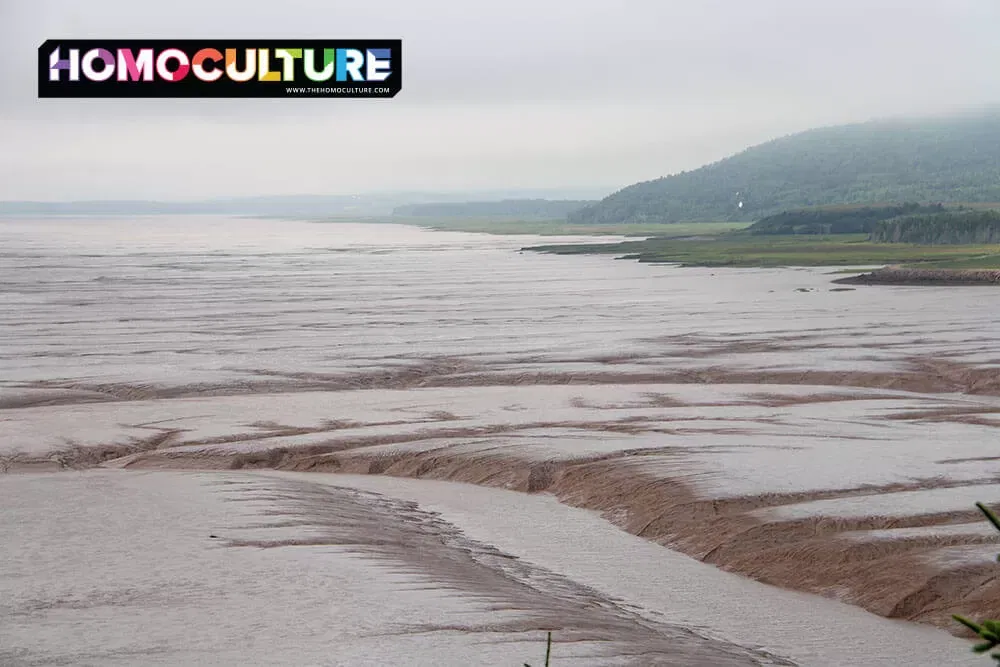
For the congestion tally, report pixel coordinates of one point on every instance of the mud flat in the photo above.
(753, 420)
(916, 276)
(761, 482)
(167, 568)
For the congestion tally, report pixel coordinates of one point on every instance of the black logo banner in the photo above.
(220, 68)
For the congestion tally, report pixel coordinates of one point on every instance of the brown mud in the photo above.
(894, 275)
(818, 555)
(916, 374)
(419, 543)
(896, 578)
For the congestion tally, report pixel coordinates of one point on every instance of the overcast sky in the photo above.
(512, 94)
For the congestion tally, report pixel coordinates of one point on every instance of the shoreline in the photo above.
(899, 275)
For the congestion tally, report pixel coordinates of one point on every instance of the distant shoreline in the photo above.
(895, 275)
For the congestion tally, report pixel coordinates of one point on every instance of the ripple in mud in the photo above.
(410, 540)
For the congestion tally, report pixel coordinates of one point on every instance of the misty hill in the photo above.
(948, 227)
(836, 219)
(542, 209)
(949, 159)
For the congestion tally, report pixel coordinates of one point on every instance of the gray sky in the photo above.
(533, 94)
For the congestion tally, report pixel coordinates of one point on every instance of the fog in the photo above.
(495, 95)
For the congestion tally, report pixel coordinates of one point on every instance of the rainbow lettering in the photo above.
(164, 68)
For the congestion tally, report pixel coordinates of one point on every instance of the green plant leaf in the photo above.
(990, 515)
(972, 625)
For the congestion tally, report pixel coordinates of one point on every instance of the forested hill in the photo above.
(953, 159)
(949, 227)
(836, 219)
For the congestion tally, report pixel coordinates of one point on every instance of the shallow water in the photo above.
(120, 568)
(206, 342)
(178, 300)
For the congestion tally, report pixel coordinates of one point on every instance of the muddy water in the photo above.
(763, 421)
(203, 569)
(178, 301)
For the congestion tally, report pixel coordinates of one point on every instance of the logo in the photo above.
(220, 68)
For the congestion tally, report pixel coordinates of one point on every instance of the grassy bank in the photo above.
(715, 244)
(498, 225)
(744, 250)
(563, 228)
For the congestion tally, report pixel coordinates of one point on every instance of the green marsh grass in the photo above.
(743, 250)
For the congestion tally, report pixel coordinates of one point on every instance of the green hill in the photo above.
(949, 159)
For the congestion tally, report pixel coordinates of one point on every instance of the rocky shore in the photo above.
(896, 275)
